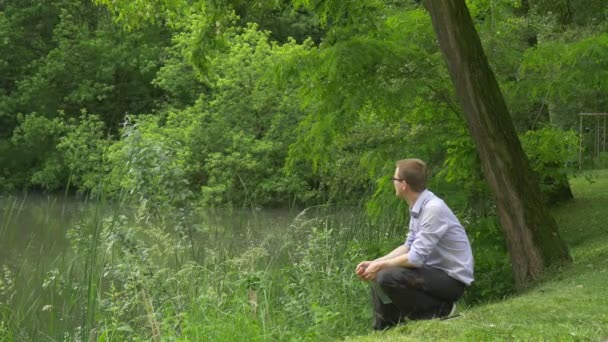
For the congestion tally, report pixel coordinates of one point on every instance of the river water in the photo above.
(45, 244)
(37, 226)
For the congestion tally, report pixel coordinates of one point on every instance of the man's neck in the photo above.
(411, 198)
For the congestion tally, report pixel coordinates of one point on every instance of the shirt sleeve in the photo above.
(410, 238)
(433, 225)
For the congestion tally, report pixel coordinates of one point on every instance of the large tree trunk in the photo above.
(531, 231)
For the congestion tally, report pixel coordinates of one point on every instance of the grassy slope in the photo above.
(572, 304)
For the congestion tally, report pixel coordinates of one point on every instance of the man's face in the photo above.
(399, 185)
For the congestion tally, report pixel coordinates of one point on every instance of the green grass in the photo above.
(570, 305)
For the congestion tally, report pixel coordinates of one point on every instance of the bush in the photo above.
(493, 271)
(551, 152)
(52, 154)
(83, 149)
(36, 161)
(147, 166)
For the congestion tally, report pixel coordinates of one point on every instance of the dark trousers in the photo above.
(415, 293)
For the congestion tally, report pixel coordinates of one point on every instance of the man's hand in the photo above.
(360, 270)
(372, 270)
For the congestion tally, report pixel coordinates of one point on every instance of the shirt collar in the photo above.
(423, 198)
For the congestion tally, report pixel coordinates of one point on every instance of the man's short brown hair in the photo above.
(413, 172)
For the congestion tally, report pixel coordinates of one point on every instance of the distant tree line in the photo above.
(283, 104)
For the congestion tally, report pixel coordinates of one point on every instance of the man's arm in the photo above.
(433, 225)
(362, 267)
(403, 249)
(399, 260)
(398, 257)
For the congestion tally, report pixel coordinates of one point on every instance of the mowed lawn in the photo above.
(570, 305)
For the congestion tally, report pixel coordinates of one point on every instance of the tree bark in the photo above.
(531, 232)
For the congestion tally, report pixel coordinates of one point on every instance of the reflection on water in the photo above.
(35, 224)
(36, 227)
(43, 240)
(49, 278)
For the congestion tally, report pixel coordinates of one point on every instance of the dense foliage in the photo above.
(247, 116)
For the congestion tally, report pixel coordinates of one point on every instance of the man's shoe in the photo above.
(452, 313)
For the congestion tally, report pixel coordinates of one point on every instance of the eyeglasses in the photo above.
(395, 179)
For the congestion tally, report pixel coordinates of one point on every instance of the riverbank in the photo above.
(122, 277)
(571, 304)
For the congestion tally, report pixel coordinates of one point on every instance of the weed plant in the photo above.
(130, 275)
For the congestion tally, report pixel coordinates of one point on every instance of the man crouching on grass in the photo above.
(424, 277)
